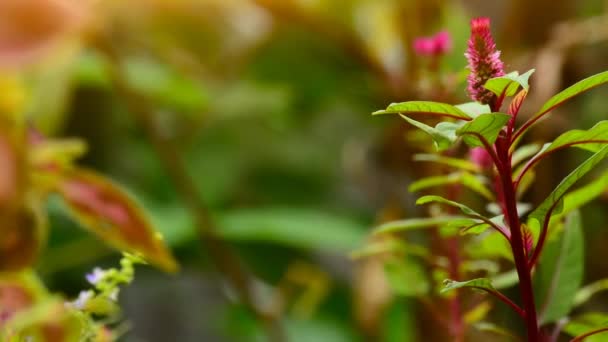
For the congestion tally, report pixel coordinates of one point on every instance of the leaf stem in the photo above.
(580, 338)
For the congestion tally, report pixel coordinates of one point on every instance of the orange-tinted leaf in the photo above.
(22, 232)
(49, 320)
(18, 292)
(106, 210)
(28, 27)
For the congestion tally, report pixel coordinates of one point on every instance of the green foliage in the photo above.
(483, 284)
(418, 223)
(425, 107)
(485, 125)
(438, 199)
(560, 273)
(585, 323)
(508, 84)
(407, 277)
(444, 134)
(554, 202)
(570, 92)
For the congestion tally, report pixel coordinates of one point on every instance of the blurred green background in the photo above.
(268, 102)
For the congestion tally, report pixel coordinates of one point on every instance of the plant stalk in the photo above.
(517, 245)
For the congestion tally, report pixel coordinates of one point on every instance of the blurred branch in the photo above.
(226, 261)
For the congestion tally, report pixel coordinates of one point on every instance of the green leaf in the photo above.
(523, 153)
(302, 228)
(592, 140)
(480, 283)
(509, 83)
(444, 134)
(452, 162)
(506, 279)
(428, 182)
(476, 183)
(407, 277)
(432, 198)
(585, 293)
(417, 223)
(486, 125)
(166, 86)
(497, 330)
(585, 323)
(481, 227)
(554, 200)
(585, 194)
(568, 93)
(424, 107)
(474, 109)
(560, 272)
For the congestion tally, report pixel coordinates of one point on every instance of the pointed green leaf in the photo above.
(573, 90)
(586, 323)
(523, 153)
(486, 125)
(560, 272)
(424, 107)
(474, 109)
(585, 293)
(554, 200)
(497, 330)
(431, 198)
(481, 227)
(476, 183)
(592, 140)
(509, 83)
(480, 283)
(428, 182)
(444, 134)
(585, 194)
(568, 93)
(452, 162)
(418, 223)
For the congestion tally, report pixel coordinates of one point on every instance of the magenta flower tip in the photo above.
(436, 45)
(483, 60)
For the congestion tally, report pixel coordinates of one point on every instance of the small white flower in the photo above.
(96, 276)
(114, 295)
(83, 297)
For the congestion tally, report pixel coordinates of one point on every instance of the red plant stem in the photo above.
(507, 301)
(517, 245)
(456, 322)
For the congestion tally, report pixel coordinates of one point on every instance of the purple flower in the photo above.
(438, 44)
(484, 60)
(96, 276)
(82, 300)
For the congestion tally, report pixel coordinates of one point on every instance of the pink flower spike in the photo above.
(483, 60)
(424, 46)
(480, 157)
(439, 44)
(443, 42)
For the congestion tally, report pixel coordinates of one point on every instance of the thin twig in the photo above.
(225, 260)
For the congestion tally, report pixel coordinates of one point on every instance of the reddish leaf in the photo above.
(106, 210)
(21, 235)
(528, 239)
(28, 27)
